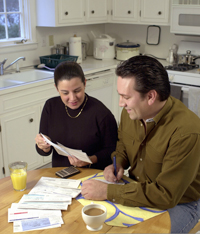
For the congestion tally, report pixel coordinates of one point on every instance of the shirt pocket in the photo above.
(153, 163)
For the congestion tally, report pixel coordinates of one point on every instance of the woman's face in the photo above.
(72, 92)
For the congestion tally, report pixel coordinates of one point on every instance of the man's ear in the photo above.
(152, 96)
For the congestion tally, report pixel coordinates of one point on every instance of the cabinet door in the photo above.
(155, 11)
(19, 130)
(1, 160)
(125, 11)
(96, 11)
(70, 11)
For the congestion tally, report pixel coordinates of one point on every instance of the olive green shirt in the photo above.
(164, 158)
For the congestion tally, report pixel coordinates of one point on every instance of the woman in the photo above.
(77, 121)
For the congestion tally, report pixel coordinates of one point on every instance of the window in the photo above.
(15, 21)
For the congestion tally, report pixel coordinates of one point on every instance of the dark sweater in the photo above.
(94, 131)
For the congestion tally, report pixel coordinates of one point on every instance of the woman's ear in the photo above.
(152, 95)
(56, 87)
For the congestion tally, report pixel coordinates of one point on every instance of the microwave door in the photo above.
(185, 20)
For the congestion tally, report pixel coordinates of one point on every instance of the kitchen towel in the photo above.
(119, 215)
(194, 100)
(176, 91)
(75, 48)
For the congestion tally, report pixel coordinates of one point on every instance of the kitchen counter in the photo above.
(89, 66)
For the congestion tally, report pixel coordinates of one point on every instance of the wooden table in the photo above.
(73, 222)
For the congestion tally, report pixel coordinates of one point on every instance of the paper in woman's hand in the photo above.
(65, 151)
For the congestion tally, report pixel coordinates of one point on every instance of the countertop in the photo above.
(89, 66)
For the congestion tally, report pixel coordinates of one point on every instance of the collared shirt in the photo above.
(164, 158)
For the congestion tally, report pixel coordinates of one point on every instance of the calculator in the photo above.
(67, 172)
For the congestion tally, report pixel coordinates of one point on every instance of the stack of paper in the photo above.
(41, 208)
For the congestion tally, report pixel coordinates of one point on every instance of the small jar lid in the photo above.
(127, 44)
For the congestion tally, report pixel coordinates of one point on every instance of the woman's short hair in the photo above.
(68, 71)
(148, 73)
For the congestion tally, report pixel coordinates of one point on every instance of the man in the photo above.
(159, 138)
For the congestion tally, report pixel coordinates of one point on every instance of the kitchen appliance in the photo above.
(186, 76)
(126, 50)
(185, 17)
(104, 47)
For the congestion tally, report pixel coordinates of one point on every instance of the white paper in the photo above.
(45, 198)
(58, 182)
(43, 205)
(37, 224)
(108, 182)
(56, 186)
(15, 214)
(65, 151)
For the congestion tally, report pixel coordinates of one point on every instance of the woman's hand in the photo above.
(76, 162)
(41, 143)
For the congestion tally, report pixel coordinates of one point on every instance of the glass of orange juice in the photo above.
(18, 174)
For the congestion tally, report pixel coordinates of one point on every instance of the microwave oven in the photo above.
(185, 17)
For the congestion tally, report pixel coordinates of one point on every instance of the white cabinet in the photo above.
(155, 11)
(125, 11)
(140, 12)
(52, 13)
(58, 13)
(19, 129)
(96, 11)
(20, 113)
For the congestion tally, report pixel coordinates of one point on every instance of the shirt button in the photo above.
(138, 177)
(141, 124)
(113, 200)
(140, 159)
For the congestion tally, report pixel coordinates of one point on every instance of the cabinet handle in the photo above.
(31, 120)
(129, 12)
(66, 13)
(92, 12)
(160, 12)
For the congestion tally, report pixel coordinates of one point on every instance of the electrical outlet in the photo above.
(44, 44)
(51, 40)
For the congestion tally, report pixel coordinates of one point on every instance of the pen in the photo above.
(115, 167)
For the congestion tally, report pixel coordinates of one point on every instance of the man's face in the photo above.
(136, 106)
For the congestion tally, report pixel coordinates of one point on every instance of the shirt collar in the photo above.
(166, 108)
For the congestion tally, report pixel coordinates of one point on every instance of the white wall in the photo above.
(122, 33)
(61, 35)
(138, 33)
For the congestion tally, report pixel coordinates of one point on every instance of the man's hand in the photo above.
(94, 190)
(109, 173)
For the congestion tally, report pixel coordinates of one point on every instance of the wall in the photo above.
(138, 33)
(122, 33)
(61, 35)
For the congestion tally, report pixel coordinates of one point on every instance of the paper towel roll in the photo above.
(75, 48)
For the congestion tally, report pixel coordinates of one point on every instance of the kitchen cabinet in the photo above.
(19, 129)
(19, 118)
(155, 12)
(125, 11)
(58, 13)
(140, 12)
(96, 11)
